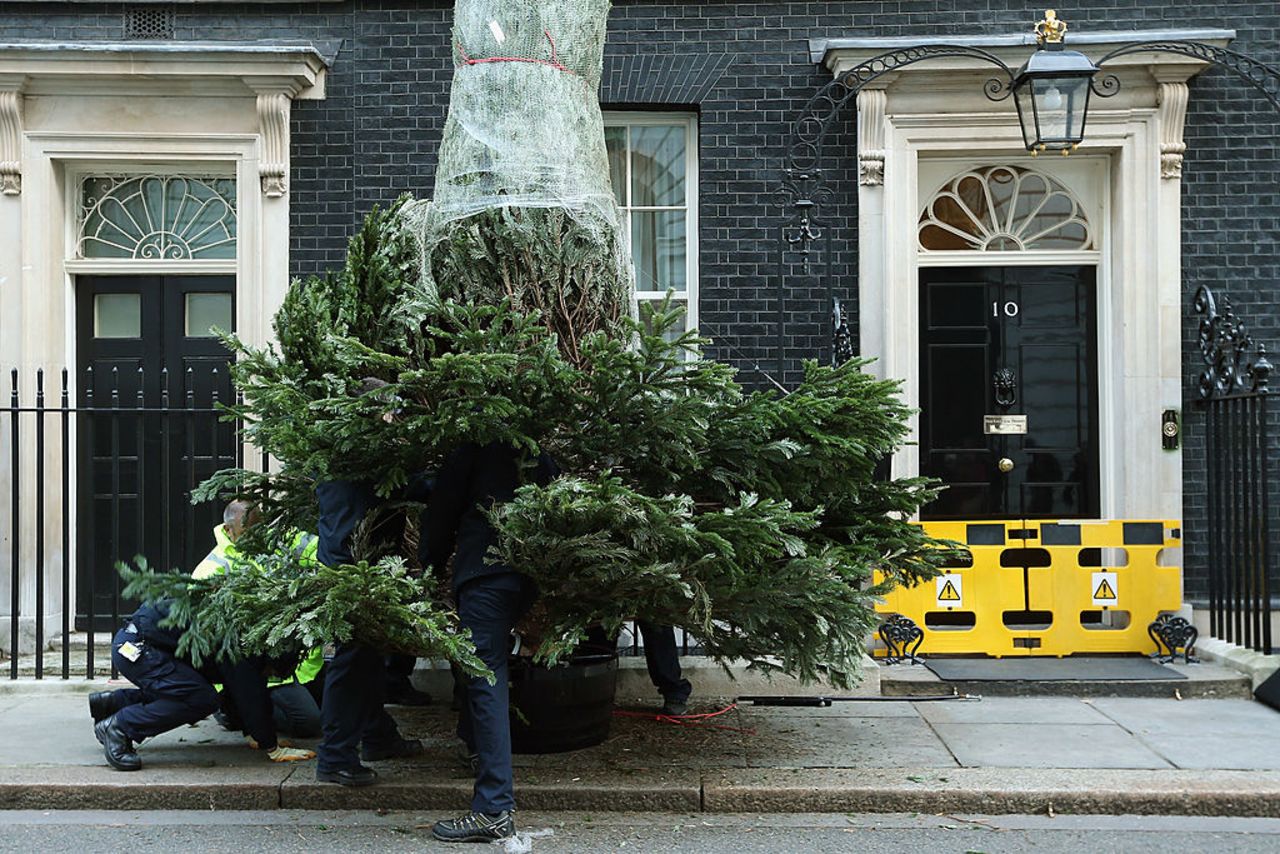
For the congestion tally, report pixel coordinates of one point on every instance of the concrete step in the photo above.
(52, 661)
(710, 680)
(80, 640)
(1204, 681)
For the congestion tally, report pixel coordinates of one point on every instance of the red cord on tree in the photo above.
(554, 62)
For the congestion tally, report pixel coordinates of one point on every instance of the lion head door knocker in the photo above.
(1005, 382)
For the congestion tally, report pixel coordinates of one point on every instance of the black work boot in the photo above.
(475, 827)
(468, 757)
(675, 707)
(400, 749)
(354, 778)
(100, 705)
(116, 746)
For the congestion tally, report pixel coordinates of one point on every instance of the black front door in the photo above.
(1008, 391)
(149, 374)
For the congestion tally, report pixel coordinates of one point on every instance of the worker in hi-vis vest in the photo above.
(295, 710)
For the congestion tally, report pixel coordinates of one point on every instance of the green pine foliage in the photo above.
(753, 519)
(277, 606)
(539, 260)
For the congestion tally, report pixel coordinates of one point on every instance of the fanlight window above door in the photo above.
(157, 217)
(1004, 208)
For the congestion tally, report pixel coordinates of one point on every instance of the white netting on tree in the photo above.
(523, 207)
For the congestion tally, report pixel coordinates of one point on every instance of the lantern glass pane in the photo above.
(1059, 104)
(1026, 116)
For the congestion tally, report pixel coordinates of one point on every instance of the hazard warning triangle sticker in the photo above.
(1104, 589)
(949, 591)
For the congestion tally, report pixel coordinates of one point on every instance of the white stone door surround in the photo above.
(72, 109)
(930, 120)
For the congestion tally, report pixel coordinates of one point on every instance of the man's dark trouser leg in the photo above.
(295, 710)
(245, 682)
(174, 692)
(122, 697)
(399, 672)
(663, 659)
(316, 686)
(354, 678)
(490, 606)
(352, 705)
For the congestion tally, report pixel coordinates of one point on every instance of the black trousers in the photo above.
(399, 672)
(355, 680)
(170, 691)
(295, 710)
(351, 712)
(490, 606)
(663, 660)
(244, 686)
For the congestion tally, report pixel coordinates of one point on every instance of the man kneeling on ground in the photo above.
(170, 691)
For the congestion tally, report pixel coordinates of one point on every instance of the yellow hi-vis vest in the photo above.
(224, 554)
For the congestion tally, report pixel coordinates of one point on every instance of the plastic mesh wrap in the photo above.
(523, 207)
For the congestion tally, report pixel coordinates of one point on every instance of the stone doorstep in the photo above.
(1204, 681)
(710, 680)
(887, 790)
(1255, 666)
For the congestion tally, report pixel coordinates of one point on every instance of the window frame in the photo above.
(628, 119)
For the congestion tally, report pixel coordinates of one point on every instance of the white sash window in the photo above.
(654, 168)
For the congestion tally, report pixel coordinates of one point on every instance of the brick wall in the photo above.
(376, 134)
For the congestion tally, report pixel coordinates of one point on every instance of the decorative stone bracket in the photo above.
(273, 123)
(871, 104)
(11, 135)
(1173, 114)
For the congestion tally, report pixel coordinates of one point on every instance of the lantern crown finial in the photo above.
(1051, 30)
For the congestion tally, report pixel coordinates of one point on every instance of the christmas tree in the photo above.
(752, 519)
(500, 312)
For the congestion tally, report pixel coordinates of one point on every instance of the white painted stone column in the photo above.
(265, 244)
(871, 268)
(11, 298)
(1172, 104)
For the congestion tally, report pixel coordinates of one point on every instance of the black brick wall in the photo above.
(376, 134)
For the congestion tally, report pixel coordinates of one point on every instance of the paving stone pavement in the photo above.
(750, 752)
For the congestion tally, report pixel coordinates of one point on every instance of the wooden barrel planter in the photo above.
(568, 707)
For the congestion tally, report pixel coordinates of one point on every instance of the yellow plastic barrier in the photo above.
(1045, 588)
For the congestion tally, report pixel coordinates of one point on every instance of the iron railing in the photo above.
(1239, 455)
(101, 475)
(99, 470)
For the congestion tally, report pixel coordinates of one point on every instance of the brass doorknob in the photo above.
(1005, 465)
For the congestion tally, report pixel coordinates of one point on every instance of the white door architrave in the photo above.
(924, 119)
(71, 109)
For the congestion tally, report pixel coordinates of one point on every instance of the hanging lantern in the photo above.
(1051, 91)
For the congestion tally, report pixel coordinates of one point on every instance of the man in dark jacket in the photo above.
(491, 598)
(171, 692)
